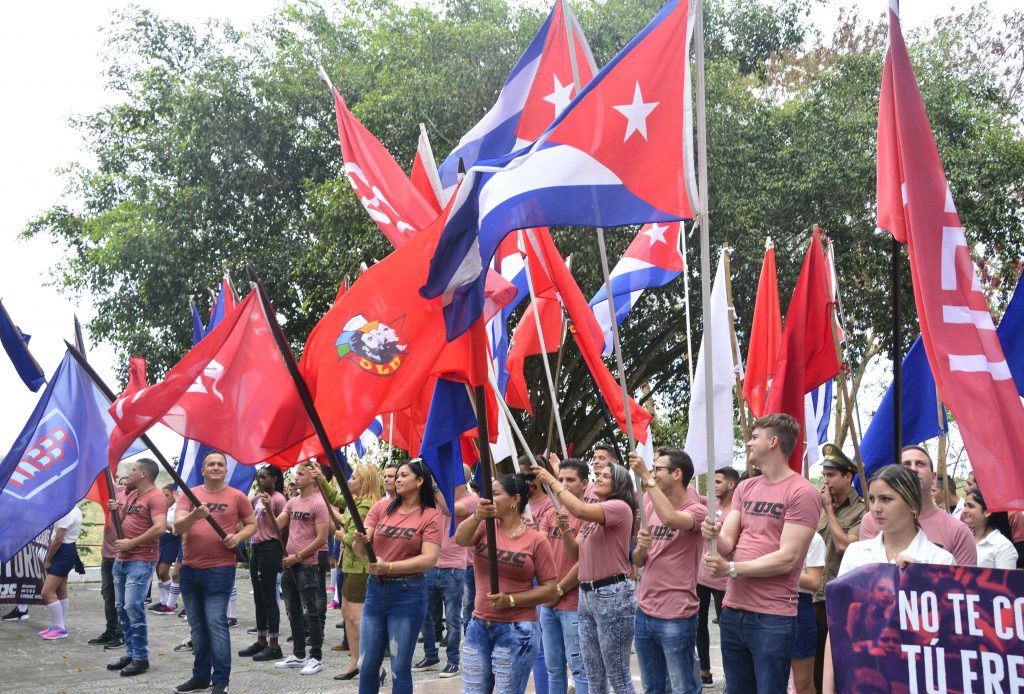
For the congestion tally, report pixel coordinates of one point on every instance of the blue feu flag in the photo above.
(16, 344)
(1011, 336)
(920, 412)
(56, 458)
(451, 415)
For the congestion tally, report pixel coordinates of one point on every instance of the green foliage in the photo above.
(223, 151)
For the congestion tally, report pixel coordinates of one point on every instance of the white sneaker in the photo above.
(290, 662)
(312, 667)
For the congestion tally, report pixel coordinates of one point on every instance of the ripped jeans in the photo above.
(606, 624)
(561, 638)
(498, 656)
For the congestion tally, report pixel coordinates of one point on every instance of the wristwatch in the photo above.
(733, 573)
(650, 483)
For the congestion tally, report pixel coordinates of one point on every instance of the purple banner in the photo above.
(927, 629)
(21, 578)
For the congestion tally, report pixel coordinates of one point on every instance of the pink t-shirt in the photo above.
(1017, 526)
(604, 549)
(668, 584)
(107, 550)
(520, 560)
(563, 560)
(703, 577)
(588, 494)
(137, 514)
(303, 517)
(201, 547)
(765, 508)
(942, 529)
(452, 556)
(539, 508)
(401, 536)
(264, 530)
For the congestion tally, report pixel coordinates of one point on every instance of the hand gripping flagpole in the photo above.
(705, 248)
(109, 394)
(307, 402)
(620, 364)
(543, 353)
(115, 517)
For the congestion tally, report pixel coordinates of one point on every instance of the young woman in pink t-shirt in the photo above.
(405, 534)
(502, 639)
(607, 601)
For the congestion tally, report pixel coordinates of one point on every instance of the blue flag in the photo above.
(56, 458)
(920, 413)
(16, 344)
(451, 414)
(1011, 335)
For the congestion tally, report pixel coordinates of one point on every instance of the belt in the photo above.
(588, 586)
(391, 579)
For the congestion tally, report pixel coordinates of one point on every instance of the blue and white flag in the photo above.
(56, 457)
(370, 436)
(15, 343)
(817, 415)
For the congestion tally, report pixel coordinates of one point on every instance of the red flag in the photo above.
(587, 331)
(765, 337)
(966, 358)
(232, 392)
(424, 176)
(526, 343)
(808, 355)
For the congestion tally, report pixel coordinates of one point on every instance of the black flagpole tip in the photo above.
(462, 167)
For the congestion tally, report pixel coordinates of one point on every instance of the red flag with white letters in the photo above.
(916, 206)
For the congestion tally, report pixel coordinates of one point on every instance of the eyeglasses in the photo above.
(668, 468)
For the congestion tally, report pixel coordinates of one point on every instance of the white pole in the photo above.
(686, 296)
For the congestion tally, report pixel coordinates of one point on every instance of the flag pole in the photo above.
(686, 301)
(942, 470)
(115, 518)
(705, 244)
(607, 279)
(540, 336)
(549, 441)
(897, 357)
(307, 402)
(744, 425)
(484, 447)
(109, 394)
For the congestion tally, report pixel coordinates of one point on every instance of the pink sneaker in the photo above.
(333, 605)
(47, 630)
(54, 633)
(330, 589)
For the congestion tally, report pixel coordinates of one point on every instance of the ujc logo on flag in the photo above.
(53, 455)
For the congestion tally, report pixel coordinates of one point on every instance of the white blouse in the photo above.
(873, 552)
(996, 552)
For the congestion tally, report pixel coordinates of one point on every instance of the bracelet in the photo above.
(561, 593)
(511, 600)
(391, 567)
(559, 491)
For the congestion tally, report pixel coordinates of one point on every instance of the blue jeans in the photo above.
(206, 593)
(447, 585)
(498, 656)
(131, 579)
(561, 638)
(665, 649)
(392, 614)
(467, 606)
(756, 650)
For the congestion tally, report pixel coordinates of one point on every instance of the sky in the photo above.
(53, 57)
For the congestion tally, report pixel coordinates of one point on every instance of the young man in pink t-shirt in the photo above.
(668, 554)
(761, 547)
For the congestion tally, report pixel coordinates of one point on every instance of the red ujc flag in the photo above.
(232, 392)
(765, 337)
(808, 355)
(916, 206)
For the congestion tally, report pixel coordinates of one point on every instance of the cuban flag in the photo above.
(620, 153)
(509, 262)
(653, 259)
(190, 462)
(537, 90)
(817, 415)
(369, 437)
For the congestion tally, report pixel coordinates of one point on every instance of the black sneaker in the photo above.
(192, 685)
(16, 615)
(425, 664)
(268, 653)
(450, 670)
(253, 632)
(116, 641)
(119, 664)
(707, 679)
(136, 667)
(148, 599)
(102, 639)
(232, 622)
(220, 689)
(251, 650)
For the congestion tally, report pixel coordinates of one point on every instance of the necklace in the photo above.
(519, 529)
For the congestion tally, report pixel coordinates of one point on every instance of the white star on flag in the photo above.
(657, 233)
(636, 114)
(561, 96)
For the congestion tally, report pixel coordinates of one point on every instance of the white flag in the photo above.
(723, 379)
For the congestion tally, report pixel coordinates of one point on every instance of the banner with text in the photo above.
(927, 628)
(21, 578)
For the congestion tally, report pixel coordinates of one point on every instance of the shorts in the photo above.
(354, 588)
(805, 645)
(64, 560)
(333, 547)
(170, 548)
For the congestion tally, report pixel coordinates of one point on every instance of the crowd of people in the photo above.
(591, 564)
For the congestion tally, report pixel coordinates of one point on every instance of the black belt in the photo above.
(390, 579)
(588, 586)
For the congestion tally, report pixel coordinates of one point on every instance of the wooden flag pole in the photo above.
(484, 447)
(476, 413)
(95, 377)
(307, 402)
(108, 477)
(552, 394)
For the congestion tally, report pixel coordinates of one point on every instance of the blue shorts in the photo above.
(64, 560)
(333, 546)
(805, 645)
(170, 548)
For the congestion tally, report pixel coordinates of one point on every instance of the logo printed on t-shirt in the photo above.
(304, 516)
(506, 557)
(767, 509)
(395, 532)
(133, 509)
(216, 508)
(663, 533)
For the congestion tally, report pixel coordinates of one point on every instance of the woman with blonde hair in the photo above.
(365, 486)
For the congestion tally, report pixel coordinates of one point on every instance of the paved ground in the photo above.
(71, 665)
